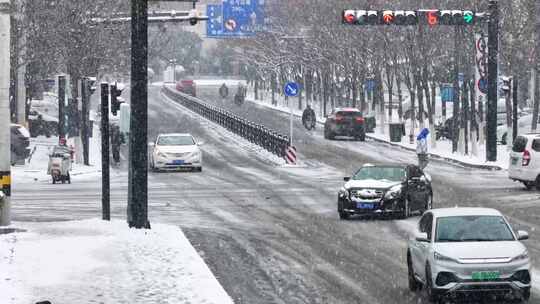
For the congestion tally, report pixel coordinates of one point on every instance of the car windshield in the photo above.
(472, 229)
(175, 140)
(393, 174)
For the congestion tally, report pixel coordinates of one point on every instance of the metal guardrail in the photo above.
(258, 134)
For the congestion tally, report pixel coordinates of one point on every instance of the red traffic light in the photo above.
(432, 18)
(388, 17)
(349, 17)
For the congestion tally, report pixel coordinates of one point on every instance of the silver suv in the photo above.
(468, 251)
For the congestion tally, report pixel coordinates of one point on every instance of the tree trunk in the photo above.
(400, 99)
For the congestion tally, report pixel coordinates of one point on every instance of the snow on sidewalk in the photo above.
(94, 261)
(442, 150)
(35, 168)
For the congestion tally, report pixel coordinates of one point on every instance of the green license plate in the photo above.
(485, 275)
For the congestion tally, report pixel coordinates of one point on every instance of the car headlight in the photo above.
(343, 193)
(393, 193)
(523, 256)
(443, 258)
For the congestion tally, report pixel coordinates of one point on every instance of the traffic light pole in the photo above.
(105, 184)
(493, 53)
(85, 96)
(137, 211)
(456, 119)
(5, 142)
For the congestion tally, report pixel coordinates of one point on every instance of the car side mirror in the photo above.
(347, 178)
(522, 235)
(421, 237)
(200, 143)
(151, 144)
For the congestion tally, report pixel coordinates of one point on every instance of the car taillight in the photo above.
(526, 158)
(339, 118)
(359, 119)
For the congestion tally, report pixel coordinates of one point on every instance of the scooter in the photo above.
(310, 123)
(59, 165)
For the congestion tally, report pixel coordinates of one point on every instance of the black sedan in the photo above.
(386, 189)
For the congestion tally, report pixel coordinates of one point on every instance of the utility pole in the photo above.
(5, 141)
(536, 78)
(21, 66)
(85, 96)
(515, 109)
(456, 121)
(137, 210)
(493, 68)
(61, 106)
(105, 184)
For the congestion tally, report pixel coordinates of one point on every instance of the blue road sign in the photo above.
(447, 93)
(291, 89)
(235, 18)
(214, 25)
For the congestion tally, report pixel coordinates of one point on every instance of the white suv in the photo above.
(525, 160)
(468, 252)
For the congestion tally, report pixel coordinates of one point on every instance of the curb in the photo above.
(435, 156)
(7, 230)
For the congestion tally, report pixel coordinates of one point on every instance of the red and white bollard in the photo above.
(290, 155)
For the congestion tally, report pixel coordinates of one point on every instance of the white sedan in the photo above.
(468, 251)
(175, 151)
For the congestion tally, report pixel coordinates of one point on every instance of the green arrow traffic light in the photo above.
(468, 16)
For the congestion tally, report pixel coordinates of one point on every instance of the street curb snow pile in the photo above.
(104, 262)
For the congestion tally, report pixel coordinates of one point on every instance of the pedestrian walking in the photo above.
(422, 148)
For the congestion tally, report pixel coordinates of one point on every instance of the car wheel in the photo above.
(528, 185)
(406, 210)
(538, 183)
(344, 215)
(503, 139)
(414, 285)
(198, 169)
(432, 294)
(526, 295)
(361, 137)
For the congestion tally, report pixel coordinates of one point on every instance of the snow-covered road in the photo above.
(271, 234)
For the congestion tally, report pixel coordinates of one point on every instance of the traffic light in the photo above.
(388, 17)
(349, 17)
(430, 17)
(373, 18)
(91, 85)
(445, 17)
(405, 18)
(116, 99)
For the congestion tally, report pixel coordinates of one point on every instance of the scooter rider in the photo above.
(308, 118)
